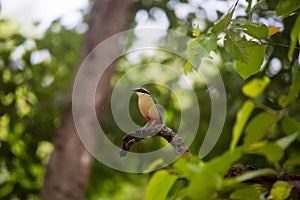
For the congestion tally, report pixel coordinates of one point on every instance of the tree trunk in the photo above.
(68, 169)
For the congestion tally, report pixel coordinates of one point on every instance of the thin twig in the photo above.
(278, 44)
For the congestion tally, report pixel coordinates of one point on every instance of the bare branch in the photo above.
(161, 130)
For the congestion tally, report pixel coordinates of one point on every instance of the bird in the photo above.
(148, 107)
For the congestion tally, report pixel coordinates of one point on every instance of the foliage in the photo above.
(268, 124)
(262, 106)
(262, 122)
(34, 76)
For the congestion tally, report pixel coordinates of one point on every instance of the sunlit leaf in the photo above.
(196, 31)
(258, 31)
(256, 86)
(160, 185)
(234, 48)
(6, 76)
(7, 99)
(258, 126)
(248, 193)
(196, 52)
(294, 35)
(255, 54)
(287, 140)
(286, 7)
(280, 190)
(204, 184)
(43, 150)
(188, 65)
(187, 166)
(253, 174)
(153, 165)
(241, 119)
(222, 163)
(199, 48)
(274, 30)
(18, 148)
(248, 175)
(36, 170)
(23, 108)
(272, 151)
(209, 43)
(4, 126)
(224, 21)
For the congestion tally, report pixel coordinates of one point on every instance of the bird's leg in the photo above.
(146, 125)
(152, 123)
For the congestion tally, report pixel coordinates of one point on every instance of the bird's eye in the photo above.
(144, 91)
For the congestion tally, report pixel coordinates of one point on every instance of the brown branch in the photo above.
(161, 130)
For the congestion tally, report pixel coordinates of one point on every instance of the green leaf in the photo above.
(272, 151)
(255, 54)
(257, 5)
(196, 51)
(258, 126)
(294, 35)
(160, 185)
(287, 140)
(188, 65)
(222, 163)
(224, 21)
(204, 184)
(196, 31)
(280, 190)
(154, 165)
(187, 166)
(258, 31)
(285, 100)
(248, 193)
(255, 87)
(6, 188)
(253, 174)
(289, 125)
(292, 161)
(199, 48)
(209, 42)
(286, 7)
(241, 119)
(234, 48)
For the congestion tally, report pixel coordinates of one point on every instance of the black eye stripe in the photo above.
(143, 91)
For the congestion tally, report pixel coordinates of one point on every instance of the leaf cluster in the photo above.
(266, 126)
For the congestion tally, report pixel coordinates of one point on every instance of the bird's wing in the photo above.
(157, 112)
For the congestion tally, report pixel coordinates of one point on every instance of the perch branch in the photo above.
(161, 130)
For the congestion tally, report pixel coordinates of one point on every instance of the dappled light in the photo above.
(225, 76)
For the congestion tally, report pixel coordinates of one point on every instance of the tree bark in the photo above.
(68, 169)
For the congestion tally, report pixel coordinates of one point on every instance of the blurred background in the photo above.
(42, 43)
